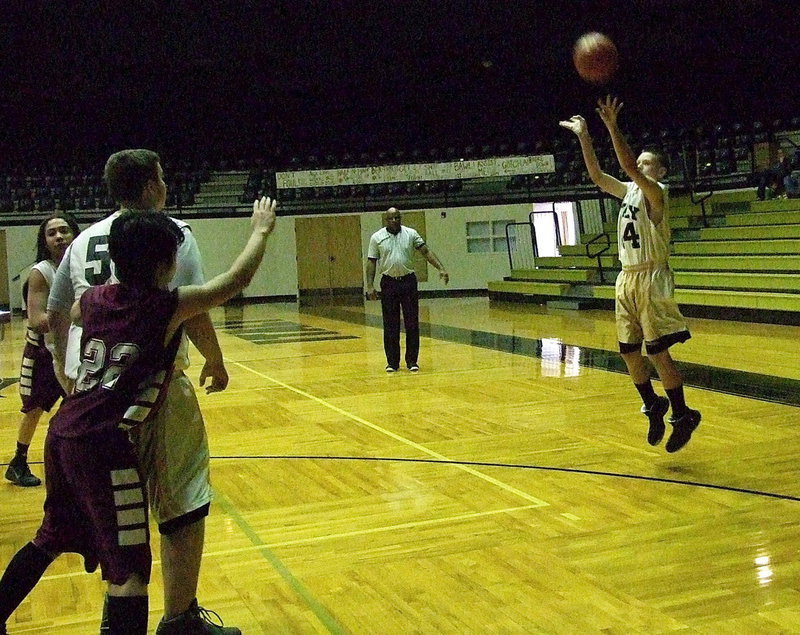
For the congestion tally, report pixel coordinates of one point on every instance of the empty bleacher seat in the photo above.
(6, 202)
(378, 189)
(26, 204)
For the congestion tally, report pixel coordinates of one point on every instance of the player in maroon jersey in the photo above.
(96, 502)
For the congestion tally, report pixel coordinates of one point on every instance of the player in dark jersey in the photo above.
(96, 502)
(173, 446)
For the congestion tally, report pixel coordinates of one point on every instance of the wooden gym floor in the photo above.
(506, 488)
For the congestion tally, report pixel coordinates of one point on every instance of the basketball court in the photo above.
(506, 487)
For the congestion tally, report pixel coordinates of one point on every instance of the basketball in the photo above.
(595, 58)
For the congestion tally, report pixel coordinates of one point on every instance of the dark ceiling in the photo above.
(251, 78)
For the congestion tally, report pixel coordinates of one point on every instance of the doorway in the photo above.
(329, 259)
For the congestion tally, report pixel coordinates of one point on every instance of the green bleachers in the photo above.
(738, 281)
(754, 232)
(525, 287)
(580, 250)
(784, 217)
(565, 274)
(736, 263)
(747, 260)
(737, 247)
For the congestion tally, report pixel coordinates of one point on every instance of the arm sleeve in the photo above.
(190, 266)
(62, 295)
(372, 250)
(418, 241)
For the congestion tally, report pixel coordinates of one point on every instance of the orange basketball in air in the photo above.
(595, 57)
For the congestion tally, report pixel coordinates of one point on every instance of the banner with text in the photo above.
(482, 168)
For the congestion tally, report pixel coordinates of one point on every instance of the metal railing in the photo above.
(555, 224)
(691, 185)
(599, 253)
(522, 249)
(522, 253)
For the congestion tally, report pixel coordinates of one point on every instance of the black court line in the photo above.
(519, 466)
(740, 383)
(522, 466)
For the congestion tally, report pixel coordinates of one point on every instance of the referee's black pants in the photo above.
(397, 293)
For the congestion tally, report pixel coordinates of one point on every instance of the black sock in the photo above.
(675, 395)
(23, 572)
(647, 393)
(22, 451)
(127, 615)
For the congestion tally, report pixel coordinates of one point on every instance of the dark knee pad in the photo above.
(171, 526)
(625, 348)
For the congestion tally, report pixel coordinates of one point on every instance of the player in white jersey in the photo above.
(645, 307)
(173, 446)
(39, 388)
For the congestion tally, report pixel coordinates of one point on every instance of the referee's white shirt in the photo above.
(395, 251)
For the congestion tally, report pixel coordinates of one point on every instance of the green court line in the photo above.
(315, 605)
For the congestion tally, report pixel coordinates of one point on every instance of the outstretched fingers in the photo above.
(609, 104)
(264, 213)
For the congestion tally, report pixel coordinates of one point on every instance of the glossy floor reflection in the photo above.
(554, 351)
(505, 488)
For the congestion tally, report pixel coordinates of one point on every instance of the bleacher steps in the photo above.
(760, 300)
(580, 250)
(767, 232)
(567, 262)
(786, 282)
(528, 288)
(741, 262)
(560, 274)
(223, 189)
(763, 218)
(736, 247)
(721, 298)
(238, 178)
(736, 263)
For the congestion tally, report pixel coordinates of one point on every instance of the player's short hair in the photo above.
(659, 154)
(141, 241)
(42, 252)
(127, 172)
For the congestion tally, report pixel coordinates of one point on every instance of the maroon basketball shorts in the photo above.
(38, 386)
(96, 504)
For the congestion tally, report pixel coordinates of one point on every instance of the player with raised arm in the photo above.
(173, 448)
(96, 502)
(646, 311)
